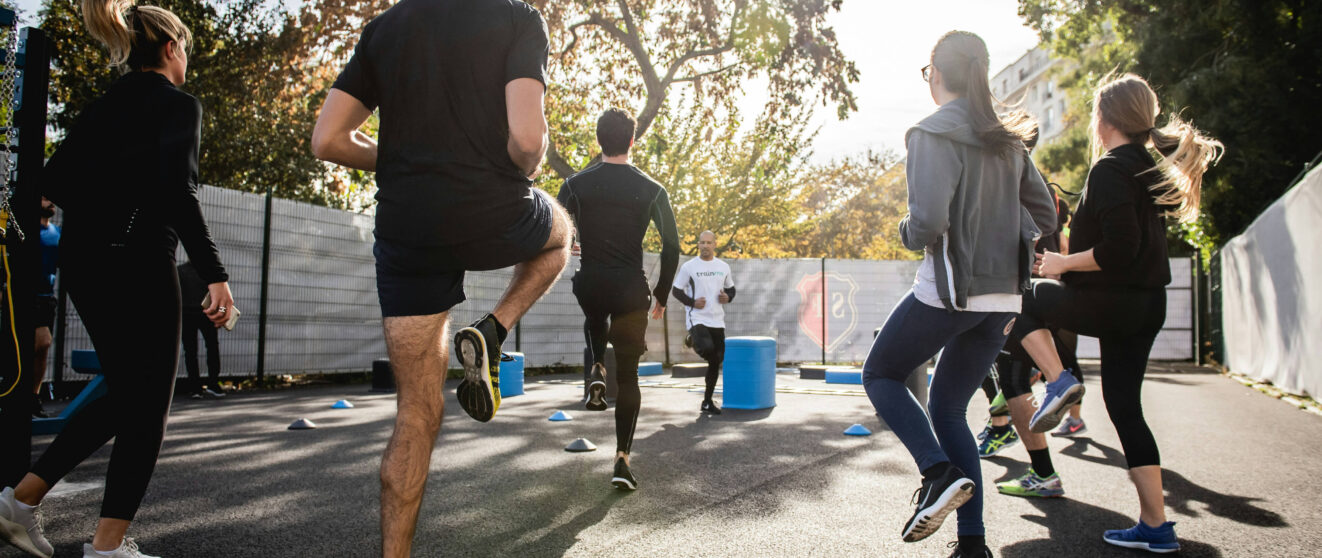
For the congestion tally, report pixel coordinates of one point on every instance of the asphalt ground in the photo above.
(232, 481)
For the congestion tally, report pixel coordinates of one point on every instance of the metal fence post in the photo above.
(821, 308)
(266, 276)
(1197, 307)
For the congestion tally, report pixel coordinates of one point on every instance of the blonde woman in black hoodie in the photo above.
(1114, 280)
(126, 176)
(976, 206)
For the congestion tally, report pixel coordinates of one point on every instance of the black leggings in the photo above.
(132, 315)
(1014, 368)
(196, 322)
(615, 313)
(709, 342)
(1126, 323)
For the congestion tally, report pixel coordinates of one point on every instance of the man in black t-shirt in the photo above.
(459, 85)
(611, 204)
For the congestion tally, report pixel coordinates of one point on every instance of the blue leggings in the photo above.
(970, 341)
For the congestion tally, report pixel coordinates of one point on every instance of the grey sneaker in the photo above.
(597, 388)
(1070, 428)
(22, 528)
(127, 549)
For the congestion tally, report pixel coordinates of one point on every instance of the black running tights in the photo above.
(627, 332)
(1126, 323)
(131, 312)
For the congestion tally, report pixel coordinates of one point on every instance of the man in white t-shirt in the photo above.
(704, 285)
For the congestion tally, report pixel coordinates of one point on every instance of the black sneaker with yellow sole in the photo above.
(478, 349)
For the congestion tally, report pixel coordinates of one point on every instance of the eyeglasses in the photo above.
(927, 73)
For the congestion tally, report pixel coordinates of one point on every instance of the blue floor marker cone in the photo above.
(858, 430)
(342, 404)
(560, 416)
(302, 424)
(581, 445)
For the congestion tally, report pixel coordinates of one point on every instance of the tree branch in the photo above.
(558, 163)
(696, 77)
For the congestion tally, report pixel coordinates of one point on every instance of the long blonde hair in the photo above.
(134, 34)
(1127, 103)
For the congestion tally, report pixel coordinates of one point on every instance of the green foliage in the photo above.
(1244, 71)
(260, 73)
(854, 206)
(681, 66)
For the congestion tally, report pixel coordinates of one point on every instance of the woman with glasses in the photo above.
(976, 207)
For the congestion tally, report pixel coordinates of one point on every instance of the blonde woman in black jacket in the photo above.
(126, 176)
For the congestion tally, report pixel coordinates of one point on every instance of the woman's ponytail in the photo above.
(133, 35)
(105, 21)
(1129, 104)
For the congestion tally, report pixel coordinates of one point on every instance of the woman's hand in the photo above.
(222, 301)
(1051, 264)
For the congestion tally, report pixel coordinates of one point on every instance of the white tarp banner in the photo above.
(1270, 314)
(323, 314)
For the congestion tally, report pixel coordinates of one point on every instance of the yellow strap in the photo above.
(9, 296)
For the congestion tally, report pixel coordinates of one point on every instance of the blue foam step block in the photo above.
(342, 404)
(844, 376)
(560, 416)
(858, 430)
(650, 369)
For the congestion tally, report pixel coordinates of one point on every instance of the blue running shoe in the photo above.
(1061, 395)
(1152, 539)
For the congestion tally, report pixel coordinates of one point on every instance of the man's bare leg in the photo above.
(418, 357)
(1042, 348)
(1021, 409)
(533, 278)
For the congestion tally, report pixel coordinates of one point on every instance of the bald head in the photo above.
(707, 245)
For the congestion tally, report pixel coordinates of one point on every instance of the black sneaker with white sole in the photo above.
(710, 408)
(623, 479)
(597, 388)
(963, 552)
(936, 498)
(478, 349)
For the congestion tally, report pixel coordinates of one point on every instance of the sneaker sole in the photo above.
(474, 391)
(1030, 494)
(596, 396)
(622, 483)
(1050, 417)
(1141, 546)
(17, 536)
(928, 521)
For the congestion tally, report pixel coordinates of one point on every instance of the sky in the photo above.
(889, 41)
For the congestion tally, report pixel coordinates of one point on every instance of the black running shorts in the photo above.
(420, 280)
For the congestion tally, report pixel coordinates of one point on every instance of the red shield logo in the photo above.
(827, 313)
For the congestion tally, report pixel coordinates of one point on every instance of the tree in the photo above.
(1244, 71)
(260, 73)
(734, 180)
(854, 206)
(634, 53)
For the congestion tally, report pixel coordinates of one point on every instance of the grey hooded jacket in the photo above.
(977, 214)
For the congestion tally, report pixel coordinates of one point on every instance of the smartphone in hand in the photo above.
(232, 311)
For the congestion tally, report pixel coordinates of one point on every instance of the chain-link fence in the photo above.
(322, 314)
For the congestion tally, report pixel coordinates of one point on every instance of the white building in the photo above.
(1029, 81)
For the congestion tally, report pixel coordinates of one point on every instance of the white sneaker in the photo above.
(22, 528)
(127, 549)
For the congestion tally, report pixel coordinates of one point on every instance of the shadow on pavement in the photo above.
(1181, 492)
(1075, 529)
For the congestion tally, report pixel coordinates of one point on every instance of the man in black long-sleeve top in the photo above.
(611, 204)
